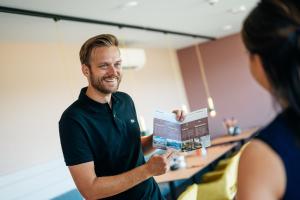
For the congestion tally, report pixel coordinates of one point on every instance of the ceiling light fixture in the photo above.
(211, 108)
(238, 10)
(212, 2)
(227, 27)
(132, 3)
(129, 4)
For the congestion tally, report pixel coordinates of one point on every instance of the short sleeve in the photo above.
(74, 143)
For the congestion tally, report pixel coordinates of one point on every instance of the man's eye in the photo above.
(103, 66)
(118, 65)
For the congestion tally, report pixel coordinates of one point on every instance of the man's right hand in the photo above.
(159, 164)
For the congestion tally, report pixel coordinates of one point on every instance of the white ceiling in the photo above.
(189, 16)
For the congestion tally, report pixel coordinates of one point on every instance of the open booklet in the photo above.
(188, 135)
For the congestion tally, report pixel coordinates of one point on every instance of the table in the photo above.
(196, 163)
(243, 137)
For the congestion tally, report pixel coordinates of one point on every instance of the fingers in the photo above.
(179, 114)
(168, 154)
(158, 164)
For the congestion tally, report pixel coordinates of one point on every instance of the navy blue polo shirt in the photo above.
(92, 131)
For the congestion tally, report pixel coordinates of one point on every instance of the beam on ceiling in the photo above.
(57, 17)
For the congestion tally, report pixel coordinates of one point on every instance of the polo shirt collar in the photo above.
(94, 105)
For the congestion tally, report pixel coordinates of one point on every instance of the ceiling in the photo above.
(189, 16)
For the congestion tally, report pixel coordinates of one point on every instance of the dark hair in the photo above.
(272, 31)
(103, 40)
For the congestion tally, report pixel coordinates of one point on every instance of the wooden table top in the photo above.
(196, 162)
(247, 134)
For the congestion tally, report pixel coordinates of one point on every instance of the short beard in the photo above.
(97, 84)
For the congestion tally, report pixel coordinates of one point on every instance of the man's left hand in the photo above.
(180, 114)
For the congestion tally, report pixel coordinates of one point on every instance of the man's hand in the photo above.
(159, 164)
(180, 114)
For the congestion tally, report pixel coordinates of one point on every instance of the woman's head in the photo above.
(271, 34)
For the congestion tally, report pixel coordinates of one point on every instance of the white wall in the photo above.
(156, 86)
(39, 80)
(44, 181)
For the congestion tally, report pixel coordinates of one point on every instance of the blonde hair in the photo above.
(103, 40)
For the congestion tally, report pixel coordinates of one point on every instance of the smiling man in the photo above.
(100, 135)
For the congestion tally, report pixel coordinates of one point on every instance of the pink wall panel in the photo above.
(234, 91)
(191, 73)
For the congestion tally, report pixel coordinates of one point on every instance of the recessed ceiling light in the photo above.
(237, 10)
(227, 27)
(212, 2)
(131, 4)
(127, 5)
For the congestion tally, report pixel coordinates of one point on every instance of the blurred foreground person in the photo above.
(269, 165)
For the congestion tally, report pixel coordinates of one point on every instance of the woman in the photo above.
(269, 166)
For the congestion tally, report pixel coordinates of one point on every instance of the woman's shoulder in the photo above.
(262, 170)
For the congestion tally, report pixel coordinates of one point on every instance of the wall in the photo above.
(39, 80)
(44, 181)
(157, 86)
(234, 91)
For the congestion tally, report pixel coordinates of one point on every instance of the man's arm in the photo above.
(93, 187)
(147, 146)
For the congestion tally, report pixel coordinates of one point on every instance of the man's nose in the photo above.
(112, 69)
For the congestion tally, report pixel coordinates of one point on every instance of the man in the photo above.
(100, 135)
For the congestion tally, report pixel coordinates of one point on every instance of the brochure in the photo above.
(188, 135)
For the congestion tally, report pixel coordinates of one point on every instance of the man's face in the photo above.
(105, 69)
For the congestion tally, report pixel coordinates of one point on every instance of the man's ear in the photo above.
(85, 70)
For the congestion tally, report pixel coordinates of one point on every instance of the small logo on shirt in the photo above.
(132, 121)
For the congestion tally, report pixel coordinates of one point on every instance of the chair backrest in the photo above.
(220, 184)
(190, 193)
